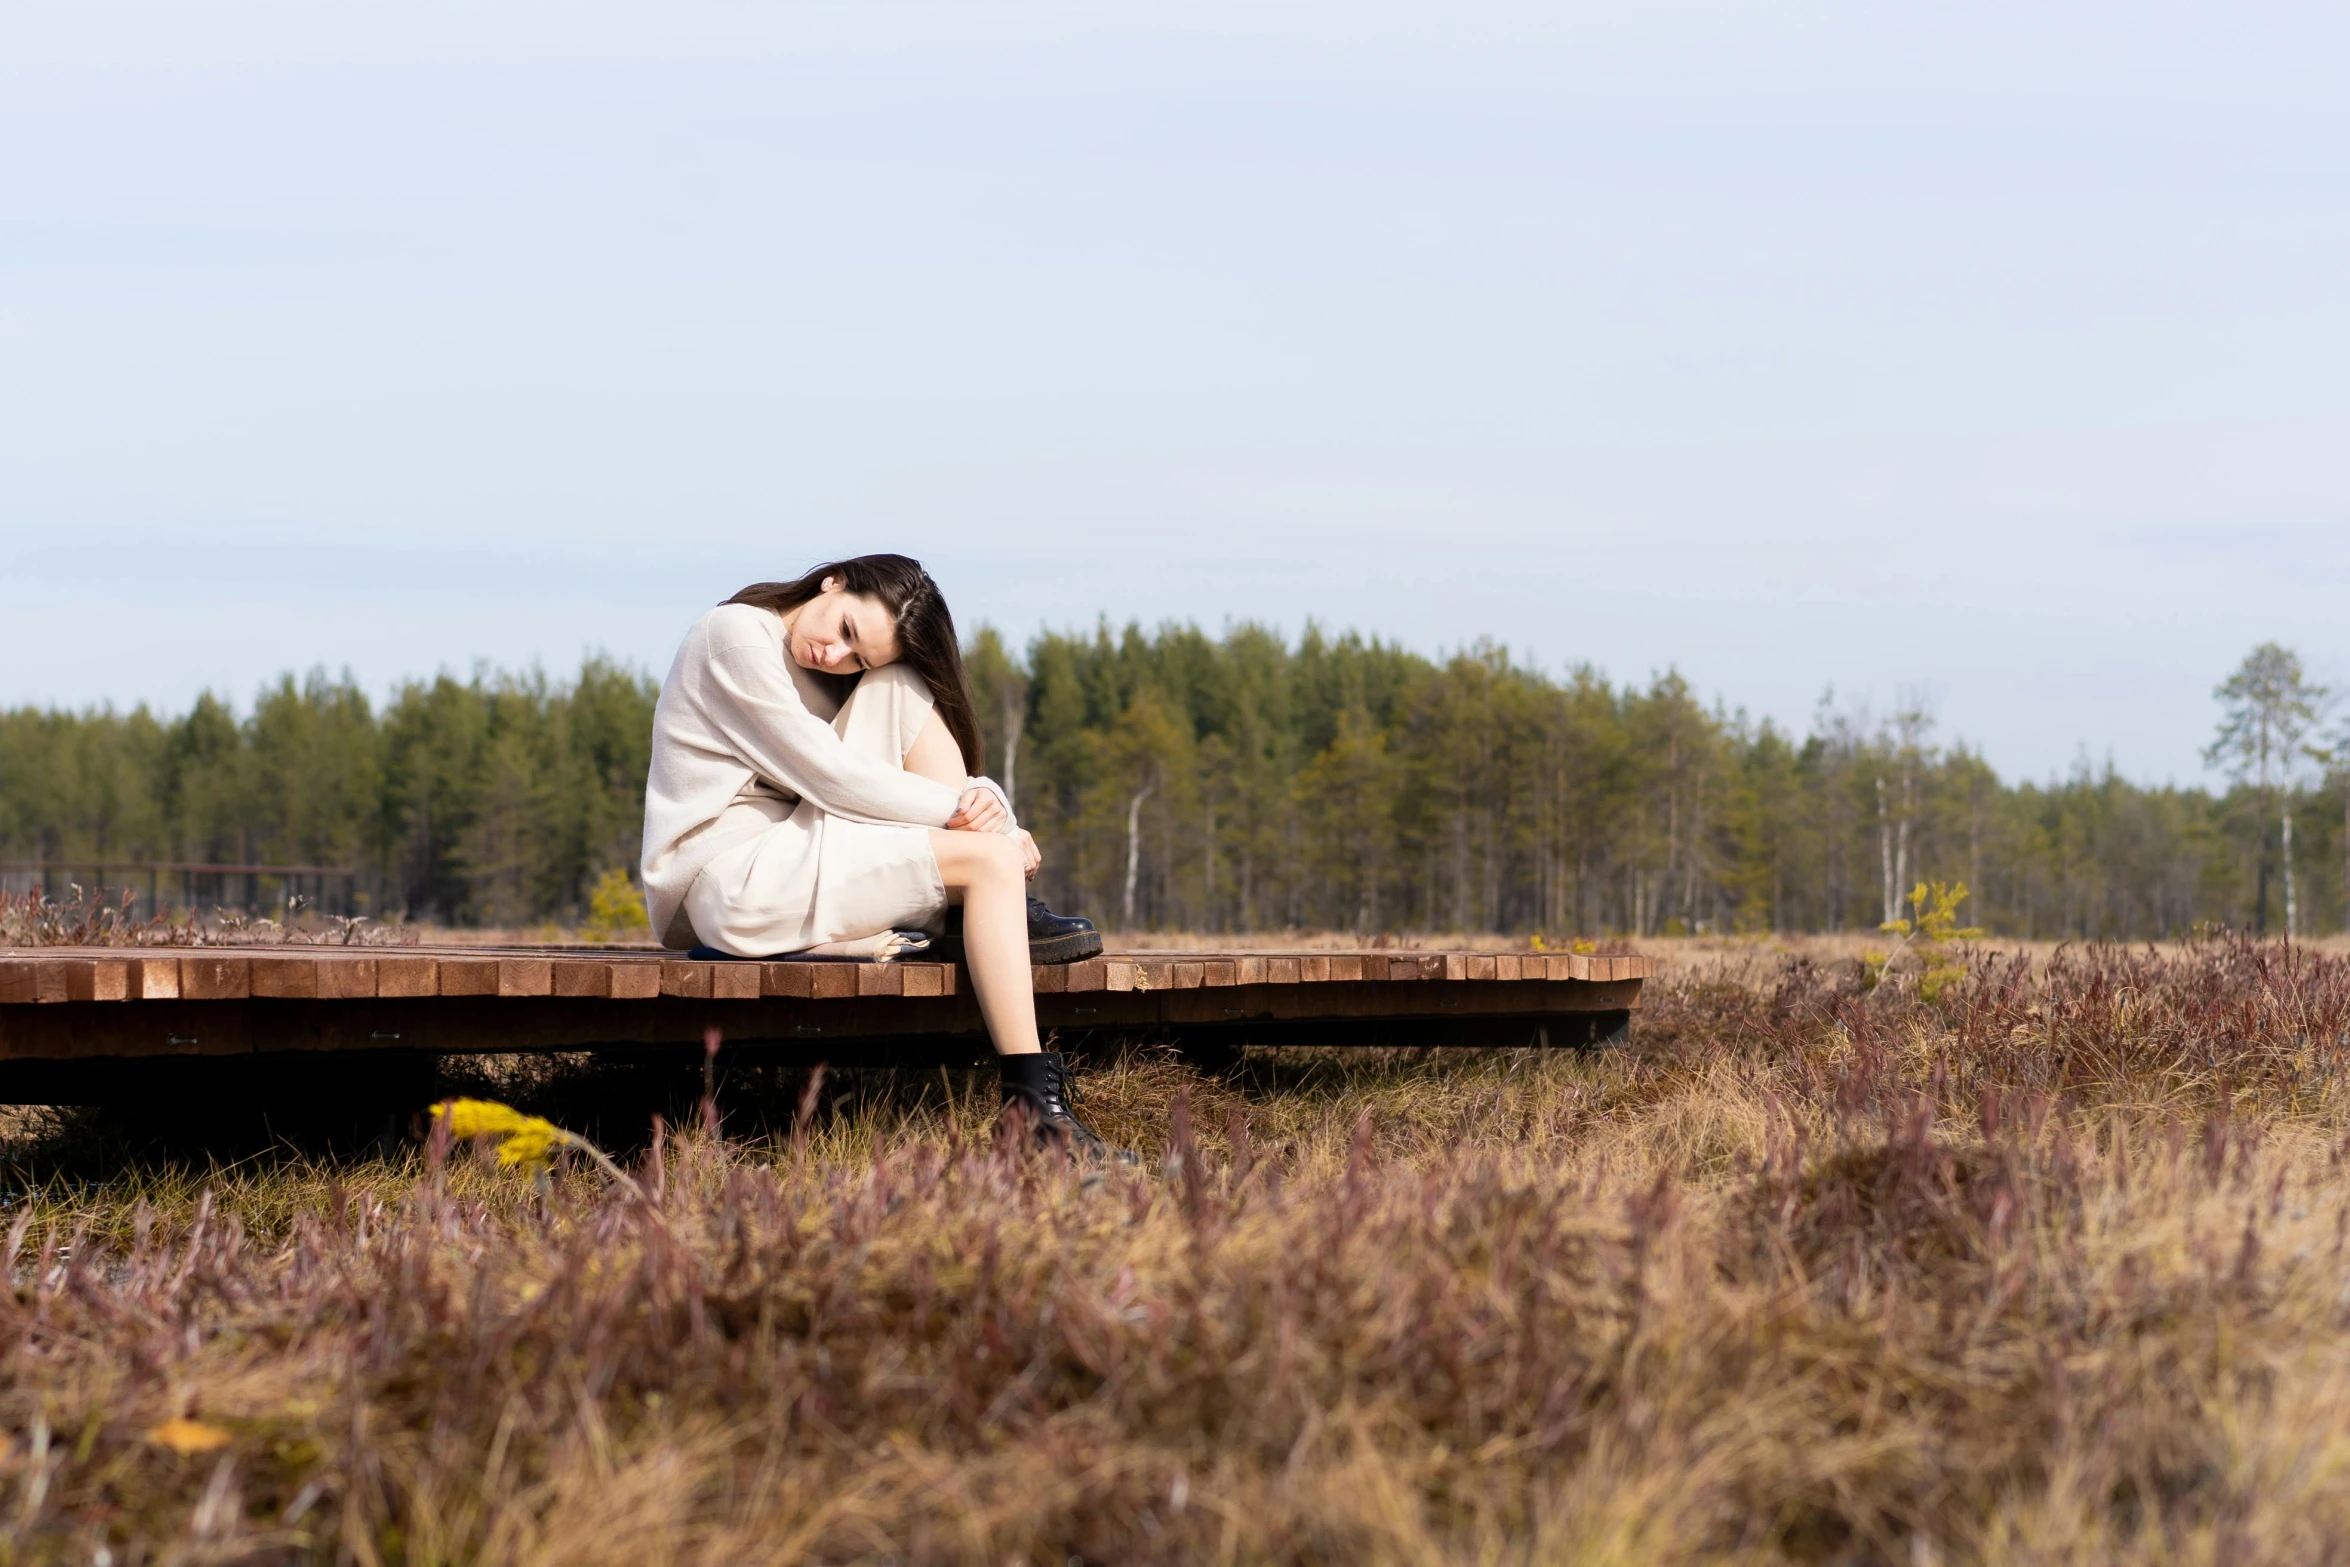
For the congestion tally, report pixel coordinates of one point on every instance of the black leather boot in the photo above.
(1052, 938)
(1039, 1084)
(1060, 938)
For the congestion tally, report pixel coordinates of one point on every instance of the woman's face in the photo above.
(841, 633)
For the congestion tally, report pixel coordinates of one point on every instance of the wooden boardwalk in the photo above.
(109, 1007)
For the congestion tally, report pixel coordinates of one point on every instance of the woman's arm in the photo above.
(751, 704)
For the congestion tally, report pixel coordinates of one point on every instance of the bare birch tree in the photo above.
(2268, 706)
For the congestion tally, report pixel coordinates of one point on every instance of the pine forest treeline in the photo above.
(1179, 780)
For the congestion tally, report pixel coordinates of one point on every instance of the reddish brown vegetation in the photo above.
(2050, 1270)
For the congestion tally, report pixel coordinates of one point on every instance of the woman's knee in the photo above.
(968, 858)
(894, 675)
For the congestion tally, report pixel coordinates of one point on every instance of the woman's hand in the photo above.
(980, 810)
(1030, 855)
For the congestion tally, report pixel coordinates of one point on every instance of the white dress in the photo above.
(777, 820)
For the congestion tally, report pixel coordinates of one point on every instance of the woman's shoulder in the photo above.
(739, 625)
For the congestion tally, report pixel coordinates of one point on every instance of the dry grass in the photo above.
(2051, 1270)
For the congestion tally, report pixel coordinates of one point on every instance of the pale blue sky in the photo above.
(1999, 350)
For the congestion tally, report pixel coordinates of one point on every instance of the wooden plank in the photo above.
(526, 977)
(879, 979)
(52, 981)
(1188, 976)
(1506, 965)
(1313, 970)
(1090, 975)
(1346, 967)
(634, 979)
(950, 979)
(734, 982)
(582, 977)
(685, 979)
(473, 1016)
(1480, 965)
(20, 981)
(794, 980)
(155, 979)
(98, 979)
(468, 976)
(1049, 979)
(213, 976)
(1220, 972)
(1456, 965)
(346, 978)
(285, 979)
(407, 976)
(833, 981)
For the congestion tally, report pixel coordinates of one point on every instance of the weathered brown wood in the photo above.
(635, 979)
(100, 1003)
(582, 977)
(468, 976)
(685, 979)
(405, 975)
(155, 979)
(345, 978)
(526, 977)
(734, 982)
(796, 980)
(214, 976)
(302, 972)
(285, 978)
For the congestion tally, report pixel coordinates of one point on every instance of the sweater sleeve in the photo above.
(750, 704)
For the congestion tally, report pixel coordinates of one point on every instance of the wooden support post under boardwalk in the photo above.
(74, 1020)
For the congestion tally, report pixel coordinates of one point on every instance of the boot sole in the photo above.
(1075, 947)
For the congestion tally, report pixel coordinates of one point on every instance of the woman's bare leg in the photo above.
(983, 872)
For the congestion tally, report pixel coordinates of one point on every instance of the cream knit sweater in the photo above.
(738, 718)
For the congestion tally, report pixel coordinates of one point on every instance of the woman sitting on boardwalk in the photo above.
(813, 792)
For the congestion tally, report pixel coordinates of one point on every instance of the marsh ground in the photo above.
(2050, 1267)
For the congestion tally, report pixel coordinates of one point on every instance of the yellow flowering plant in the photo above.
(526, 1142)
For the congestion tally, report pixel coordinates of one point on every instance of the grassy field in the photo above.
(2050, 1267)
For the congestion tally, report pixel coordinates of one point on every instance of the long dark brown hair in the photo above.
(927, 643)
